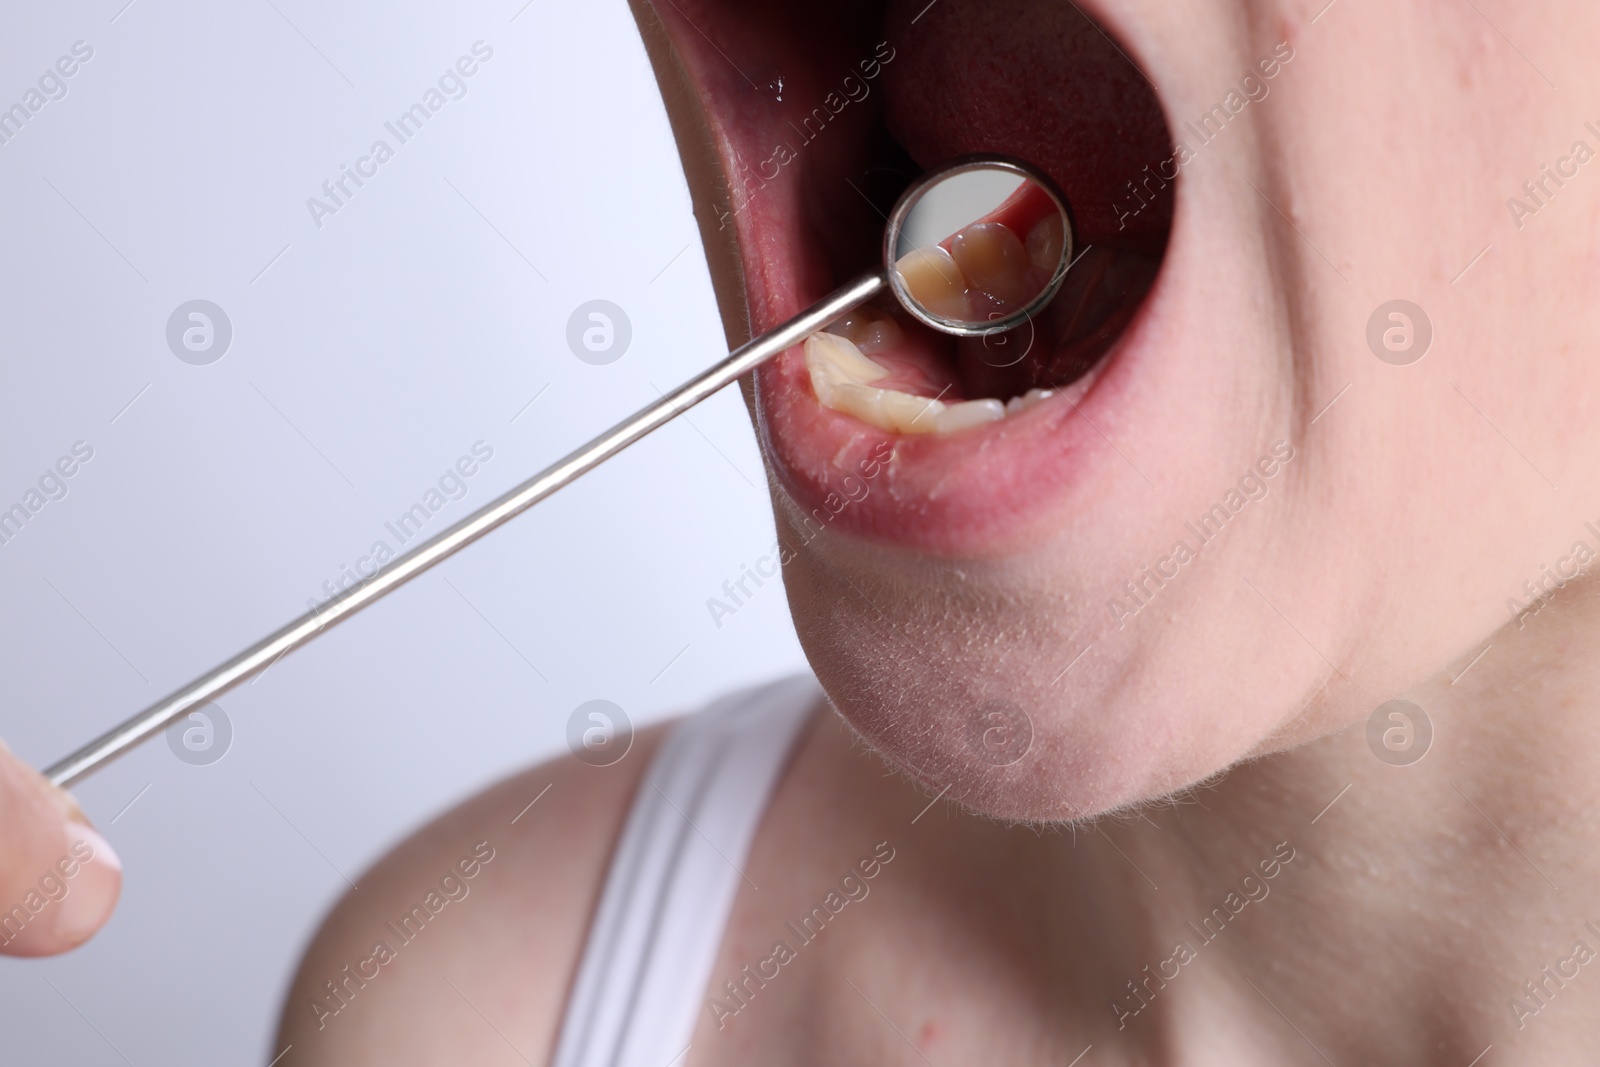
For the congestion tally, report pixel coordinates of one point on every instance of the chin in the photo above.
(1120, 568)
(1002, 682)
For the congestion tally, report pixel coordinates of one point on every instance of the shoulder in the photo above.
(463, 939)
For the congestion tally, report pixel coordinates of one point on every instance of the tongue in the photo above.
(1035, 80)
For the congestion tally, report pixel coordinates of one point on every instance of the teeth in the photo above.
(967, 414)
(835, 362)
(878, 335)
(870, 332)
(994, 260)
(935, 282)
(1044, 242)
(1027, 400)
(889, 409)
(851, 324)
(987, 269)
(842, 377)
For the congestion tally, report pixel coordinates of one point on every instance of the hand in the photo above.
(59, 879)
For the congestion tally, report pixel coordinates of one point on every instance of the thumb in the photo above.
(59, 879)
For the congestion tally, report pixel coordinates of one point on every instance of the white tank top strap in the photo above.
(678, 866)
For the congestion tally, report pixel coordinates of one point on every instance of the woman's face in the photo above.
(1267, 496)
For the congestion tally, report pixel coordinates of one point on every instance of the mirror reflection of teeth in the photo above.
(1045, 241)
(842, 377)
(987, 268)
(994, 262)
(934, 281)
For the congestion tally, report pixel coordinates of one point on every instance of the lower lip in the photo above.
(979, 492)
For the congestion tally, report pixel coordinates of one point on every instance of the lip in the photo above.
(981, 492)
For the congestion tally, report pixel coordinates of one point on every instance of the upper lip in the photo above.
(977, 493)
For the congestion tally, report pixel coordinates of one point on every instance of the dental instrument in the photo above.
(946, 261)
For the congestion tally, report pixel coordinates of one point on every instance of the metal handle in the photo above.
(264, 653)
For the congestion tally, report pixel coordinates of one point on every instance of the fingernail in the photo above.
(93, 888)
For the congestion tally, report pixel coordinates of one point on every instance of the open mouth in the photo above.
(816, 117)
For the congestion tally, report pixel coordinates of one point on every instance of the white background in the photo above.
(365, 360)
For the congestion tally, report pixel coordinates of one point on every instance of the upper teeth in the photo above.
(987, 267)
(842, 377)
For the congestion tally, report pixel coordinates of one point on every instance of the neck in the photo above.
(1429, 910)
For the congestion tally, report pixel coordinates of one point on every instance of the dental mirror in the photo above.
(975, 247)
(978, 246)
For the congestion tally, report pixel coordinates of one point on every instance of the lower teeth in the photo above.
(843, 377)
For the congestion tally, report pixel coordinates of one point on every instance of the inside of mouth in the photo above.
(1083, 89)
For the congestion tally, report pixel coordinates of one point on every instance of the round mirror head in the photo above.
(978, 245)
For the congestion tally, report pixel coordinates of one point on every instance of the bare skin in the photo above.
(1397, 933)
(1413, 914)
(59, 879)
